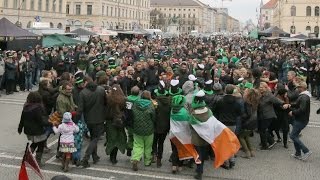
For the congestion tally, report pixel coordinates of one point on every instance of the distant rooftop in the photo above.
(270, 4)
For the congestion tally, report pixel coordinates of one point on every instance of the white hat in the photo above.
(201, 66)
(162, 84)
(209, 82)
(303, 68)
(174, 82)
(200, 93)
(67, 117)
(191, 77)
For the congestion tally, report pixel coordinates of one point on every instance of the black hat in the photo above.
(79, 76)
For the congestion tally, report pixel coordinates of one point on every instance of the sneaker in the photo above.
(296, 156)
(306, 155)
(85, 164)
(279, 140)
(271, 145)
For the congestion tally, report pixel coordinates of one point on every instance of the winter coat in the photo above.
(201, 114)
(265, 108)
(92, 104)
(162, 122)
(33, 120)
(249, 118)
(27, 68)
(10, 71)
(47, 100)
(1, 66)
(64, 103)
(66, 130)
(151, 76)
(143, 117)
(301, 111)
(183, 77)
(228, 110)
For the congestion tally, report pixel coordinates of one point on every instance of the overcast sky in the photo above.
(239, 9)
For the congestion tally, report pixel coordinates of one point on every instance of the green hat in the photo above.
(178, 101)
(248, 85)
(100, 74)
(234, 59)
(95, 63)
(198, 104)
(141, 57)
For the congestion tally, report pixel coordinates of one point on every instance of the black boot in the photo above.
(198, 176)
(38, 159)
(113, 156)
(129, 152)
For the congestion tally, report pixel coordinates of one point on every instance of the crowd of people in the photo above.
(130, 90)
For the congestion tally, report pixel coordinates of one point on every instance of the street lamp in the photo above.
(19, 8)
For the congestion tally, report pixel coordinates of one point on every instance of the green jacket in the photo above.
(65, 103)
(143, 117)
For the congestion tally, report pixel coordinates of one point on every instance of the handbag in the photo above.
(55, 118)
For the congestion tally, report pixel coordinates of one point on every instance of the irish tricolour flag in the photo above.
(222, 140)
(180, 135)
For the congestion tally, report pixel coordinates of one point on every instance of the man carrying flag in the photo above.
(180, 134)
(206, 129)
(29, 160)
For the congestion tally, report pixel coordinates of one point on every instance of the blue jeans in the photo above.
(297, 127)
(318, 91)
(28, 81)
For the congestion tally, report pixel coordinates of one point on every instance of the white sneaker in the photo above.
(306, 155)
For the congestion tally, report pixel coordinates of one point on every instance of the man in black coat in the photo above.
(301, 113)
(92, 106)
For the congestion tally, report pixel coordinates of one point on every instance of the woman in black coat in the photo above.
(266, 115)
(34, 121)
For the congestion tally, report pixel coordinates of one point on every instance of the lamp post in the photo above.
(19, 8)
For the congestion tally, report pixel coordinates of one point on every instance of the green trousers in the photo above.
(142, 146)
(244, 138)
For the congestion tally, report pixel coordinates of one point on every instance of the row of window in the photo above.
(179, 15)
(111, 25)
(174, 9)
(112, 11)
(141, 3)
(308, 28)
(308, 11)
(50, 5)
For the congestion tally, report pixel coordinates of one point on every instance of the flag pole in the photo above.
(25, 152)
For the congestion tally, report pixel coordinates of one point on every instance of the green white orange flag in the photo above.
(222, 140)
(180, 136)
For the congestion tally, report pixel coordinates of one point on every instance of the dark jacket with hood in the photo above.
(143, 117)
(33, 120)
(301, 111)
(47, 100)
(162, 123)
(228, 110)
(92, 104)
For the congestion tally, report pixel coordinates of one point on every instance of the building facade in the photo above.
(226, 23)
(188, 15)
(266, 14)
(297, 16)
(108, 14)
(25, 12)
